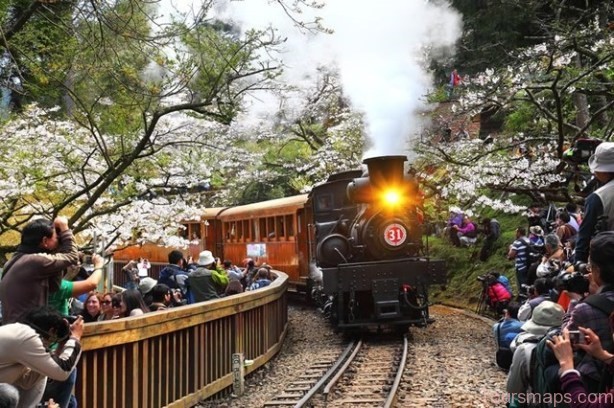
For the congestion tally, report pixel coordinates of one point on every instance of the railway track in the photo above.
(366, 374)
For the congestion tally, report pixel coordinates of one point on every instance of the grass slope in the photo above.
(463, 289)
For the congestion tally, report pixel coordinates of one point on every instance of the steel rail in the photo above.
(342, 370)
(326, 376)
(397, 381)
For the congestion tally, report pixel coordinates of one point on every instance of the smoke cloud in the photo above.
(379, 49)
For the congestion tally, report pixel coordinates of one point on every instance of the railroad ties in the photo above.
(366, 374)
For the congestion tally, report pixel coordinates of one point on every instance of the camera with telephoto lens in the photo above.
(486, 279)
(526, 290)
(581, 267)
(574, 282)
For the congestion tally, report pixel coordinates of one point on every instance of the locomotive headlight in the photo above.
(392, 197)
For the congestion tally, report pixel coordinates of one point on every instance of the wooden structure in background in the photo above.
(177, 357)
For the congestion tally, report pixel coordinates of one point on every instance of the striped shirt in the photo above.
(520, 246)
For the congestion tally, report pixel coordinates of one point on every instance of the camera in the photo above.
(526, 290)
(574, 282)
(71, 319)
(87, 259)
(581, 267)
(576, 337)
(486, 279)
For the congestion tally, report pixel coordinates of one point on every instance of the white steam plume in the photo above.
(378, 48)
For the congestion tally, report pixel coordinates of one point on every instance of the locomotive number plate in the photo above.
(395, 234)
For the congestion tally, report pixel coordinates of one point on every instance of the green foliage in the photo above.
(463, 288)
(491, 29)
(521, 118)
(438, 95)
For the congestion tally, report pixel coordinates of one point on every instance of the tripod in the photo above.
(483, 304)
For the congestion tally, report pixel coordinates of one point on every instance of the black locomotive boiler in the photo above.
(371, 268)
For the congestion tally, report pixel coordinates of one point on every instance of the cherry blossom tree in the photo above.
(555, 92)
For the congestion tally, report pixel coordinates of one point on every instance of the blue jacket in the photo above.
(508, 330)
(168, 277)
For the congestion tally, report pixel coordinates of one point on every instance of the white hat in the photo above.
(455, 210)
(147, 284)
(205, 258)
(603, 159)
(537, 230)
(545, 316)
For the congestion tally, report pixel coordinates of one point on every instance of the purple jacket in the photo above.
(572, 384)
(467, 228)
(455, 219)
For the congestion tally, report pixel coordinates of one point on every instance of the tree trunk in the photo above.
(580, 101)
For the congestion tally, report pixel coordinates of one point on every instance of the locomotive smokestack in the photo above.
(385, 170)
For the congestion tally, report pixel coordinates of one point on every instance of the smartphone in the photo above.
(576, 337)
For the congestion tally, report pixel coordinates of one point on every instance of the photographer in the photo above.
(498, 295)
(492, 231)
(539, 292)
(593, 311)
(25, 359)
(571, 380)
(46, 250)
(600, 203)
(553, 258)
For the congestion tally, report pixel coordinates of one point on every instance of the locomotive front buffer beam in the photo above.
(373, 292)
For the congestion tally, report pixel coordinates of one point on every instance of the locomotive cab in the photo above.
(374, 270)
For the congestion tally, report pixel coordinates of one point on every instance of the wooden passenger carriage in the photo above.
(274, 232)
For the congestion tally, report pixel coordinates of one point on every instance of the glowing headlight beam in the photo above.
(392, 197)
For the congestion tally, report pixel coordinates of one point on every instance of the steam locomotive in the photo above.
(354, 244)
(370, 265)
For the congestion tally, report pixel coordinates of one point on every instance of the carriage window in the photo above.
(289, 223)
(183, 232)
(279, 227)
(240, 235)
(233, 231)
(246, 231)
(262, 232)
(270, 228)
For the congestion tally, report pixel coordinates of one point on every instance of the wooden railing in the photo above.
(180, 356)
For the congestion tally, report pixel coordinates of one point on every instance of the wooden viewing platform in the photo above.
(177, 357)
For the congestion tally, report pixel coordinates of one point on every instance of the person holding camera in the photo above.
(538, 292)
(571, 380)
(553, 259)
(599, 205)
(492, 231)
(25, 359)
(593, 311)
(35, 270)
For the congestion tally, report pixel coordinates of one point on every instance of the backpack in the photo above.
(544, 367)
(503, 355)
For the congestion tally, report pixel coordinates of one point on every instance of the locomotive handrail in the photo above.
(179, 356)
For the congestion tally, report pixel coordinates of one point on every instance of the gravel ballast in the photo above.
(450, 364)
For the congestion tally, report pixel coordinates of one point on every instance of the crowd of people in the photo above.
(47, 295)
(462, 231)
(555, 338)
